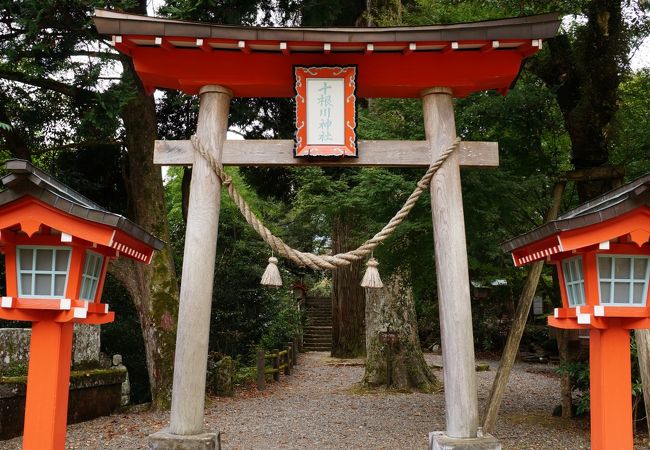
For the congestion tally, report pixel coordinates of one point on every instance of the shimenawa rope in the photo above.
(320, 262)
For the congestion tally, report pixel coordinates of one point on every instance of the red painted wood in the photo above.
(261, 74)
(610, 389)
(46, 404)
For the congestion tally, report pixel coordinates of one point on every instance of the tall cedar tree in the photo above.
(43, 45)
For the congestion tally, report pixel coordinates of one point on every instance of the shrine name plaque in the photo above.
(325, 111)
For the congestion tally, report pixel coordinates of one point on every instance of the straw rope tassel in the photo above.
(271, 275)
(371, 278)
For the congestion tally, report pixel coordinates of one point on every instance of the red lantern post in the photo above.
(602, 255)
(57, 245)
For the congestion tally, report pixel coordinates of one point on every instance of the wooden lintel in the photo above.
(371, 154)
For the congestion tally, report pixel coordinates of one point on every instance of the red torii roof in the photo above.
(391, 62)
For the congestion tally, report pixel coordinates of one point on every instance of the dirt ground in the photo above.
(320, 406)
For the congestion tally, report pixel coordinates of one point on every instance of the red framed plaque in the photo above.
(326, 113)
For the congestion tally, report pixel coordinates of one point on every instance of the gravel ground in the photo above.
(319, 407)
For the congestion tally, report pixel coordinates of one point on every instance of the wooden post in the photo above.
(287, 361)
(46, 405)
(261, 376)
(276, 365)
(294, 347)
(518, 325)
(461, 402)
(188, 393)
(610, 388)
(290, 353)
(643, 350)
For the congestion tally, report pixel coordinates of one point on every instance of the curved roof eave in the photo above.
(541, 26)
(605, 207)
(50, 191)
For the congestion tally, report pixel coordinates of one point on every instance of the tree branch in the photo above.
(45, 83)
(96, 54)
(74, 145)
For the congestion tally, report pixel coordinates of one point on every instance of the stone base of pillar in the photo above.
(164, 440)
(438, 440)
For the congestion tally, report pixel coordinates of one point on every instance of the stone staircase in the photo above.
(317, 336)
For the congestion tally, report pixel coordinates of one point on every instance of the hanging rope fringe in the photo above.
(321, 262)
(271, 275)
(371, 278)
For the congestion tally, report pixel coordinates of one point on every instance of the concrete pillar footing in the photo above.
(438, 440)
(164, 440)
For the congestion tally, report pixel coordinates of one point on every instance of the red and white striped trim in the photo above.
(538, 255)
(125, 249)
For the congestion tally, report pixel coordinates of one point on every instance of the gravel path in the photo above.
(318, 407)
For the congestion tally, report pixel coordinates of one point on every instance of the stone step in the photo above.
(326, 334)
(315, 338)
(318, 344)
(317, 348)
(322, 331)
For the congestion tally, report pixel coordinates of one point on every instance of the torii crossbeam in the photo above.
(434, 63)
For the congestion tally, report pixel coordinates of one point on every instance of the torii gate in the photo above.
(434, 63)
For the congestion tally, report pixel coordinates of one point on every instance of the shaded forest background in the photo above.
(74, 107)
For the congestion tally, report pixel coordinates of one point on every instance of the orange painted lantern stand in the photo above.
(602, 255)
(57, 245)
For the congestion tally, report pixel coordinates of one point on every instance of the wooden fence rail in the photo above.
(280, 361)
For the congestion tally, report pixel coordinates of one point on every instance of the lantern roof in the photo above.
(588, 224)
(391, 61)
(26, 181)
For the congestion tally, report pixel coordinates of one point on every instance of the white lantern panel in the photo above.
(43, 271)
(574, 281)
(623, 279)
(90, 277)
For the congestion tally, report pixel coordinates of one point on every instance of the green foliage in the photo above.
(578, 372)
(244, 313)
(284, 324)
(632, 140)
(15, 369)
(244, 375)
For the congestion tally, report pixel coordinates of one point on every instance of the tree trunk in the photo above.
(153, 288)
(643, 350)
(348, 299)
(585, 74)
(401, 364)
(562, 337)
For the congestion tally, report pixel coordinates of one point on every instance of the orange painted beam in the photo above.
(48, 377)
(76, 269)
(610, 389)
(637, 219)
(31, 212)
